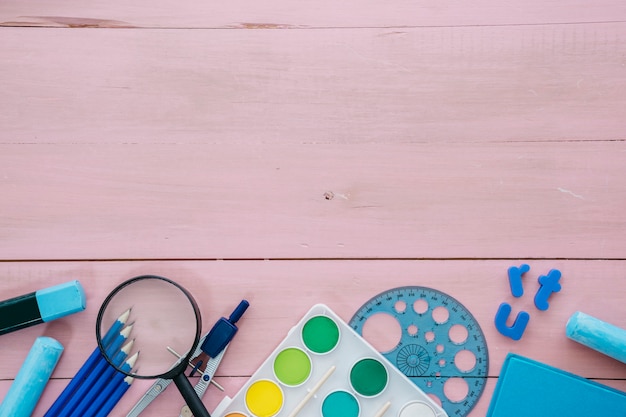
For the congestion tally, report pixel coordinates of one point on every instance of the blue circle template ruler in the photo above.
(442, 348)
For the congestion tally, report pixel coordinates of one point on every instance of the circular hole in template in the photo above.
(264, 398)
(412, 330)
(429, 336)
(465, 360)
(400, 306)
(235, 414)
(320, 334)
(441, 315)
(442, 362)
(420, 306)
(417, 409)
(456, 389)
(435, 399)
(368, 377)
(340, 404)
(440, 348)
(382, 331)
(292, 366)
(458, 334)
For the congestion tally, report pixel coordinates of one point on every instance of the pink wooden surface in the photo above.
(314, 152)
(345, 86)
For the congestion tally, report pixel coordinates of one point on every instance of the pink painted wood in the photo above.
(459, 200)
(453, 84)
(314, 153)
(276, 14)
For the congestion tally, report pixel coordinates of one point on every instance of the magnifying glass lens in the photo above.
(164, 316)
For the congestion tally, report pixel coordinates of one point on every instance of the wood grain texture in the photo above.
(460, 84)
(295, 153)
(507, 200)
(280, 293)
(304, 14)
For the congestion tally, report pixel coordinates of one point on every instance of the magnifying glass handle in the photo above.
(191, 398)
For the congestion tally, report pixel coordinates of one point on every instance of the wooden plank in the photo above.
(468, 84)
(307, 13)
(504, 200)
(280, 292)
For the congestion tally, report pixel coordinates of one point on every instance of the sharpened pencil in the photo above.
(87, 367)
(92, 377)
(110, 388)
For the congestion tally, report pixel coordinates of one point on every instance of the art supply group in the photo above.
(150, 327)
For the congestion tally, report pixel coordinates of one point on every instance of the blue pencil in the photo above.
(94, 387)
(109, 388)
(89, 364)
(92, 377)
(115, 397)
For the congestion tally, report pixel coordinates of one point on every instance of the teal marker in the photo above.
(41, 306)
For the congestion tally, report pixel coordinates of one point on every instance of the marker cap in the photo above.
(61, 300)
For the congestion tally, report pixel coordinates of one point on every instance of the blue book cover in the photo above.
(527, 388)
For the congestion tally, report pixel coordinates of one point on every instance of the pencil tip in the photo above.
(128, 347)
(124, 316)
(126, 331)
(131, 361)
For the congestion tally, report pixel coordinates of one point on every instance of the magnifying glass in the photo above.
(165, 316)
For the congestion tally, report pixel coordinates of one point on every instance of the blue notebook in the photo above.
(527, 388)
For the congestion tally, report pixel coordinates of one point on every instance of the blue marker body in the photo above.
(32, 378)
(41, 306)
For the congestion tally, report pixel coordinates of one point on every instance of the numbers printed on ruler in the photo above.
(438, 345)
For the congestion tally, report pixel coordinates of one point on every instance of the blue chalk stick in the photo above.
(61, 300)
(596, 334)
(32, 378)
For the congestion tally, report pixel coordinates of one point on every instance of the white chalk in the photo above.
(596, 334)
(32, 378)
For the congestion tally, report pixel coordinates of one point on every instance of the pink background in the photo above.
(295, 153)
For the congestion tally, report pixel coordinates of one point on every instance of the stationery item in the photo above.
(160, 384)
(384, 409)
(94, 383)
(110, 336)
(437, 343)
(527, 388)
(24, 393)
(41, 306)
(219, 336)
(597, 334)
(110, 388)
(115, 397)
(323, 368)
(312, 391)
(212, 343)
(167, 315)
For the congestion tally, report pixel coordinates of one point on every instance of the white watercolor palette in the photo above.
(322, 368)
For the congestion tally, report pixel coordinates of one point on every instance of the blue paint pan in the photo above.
(527, 388)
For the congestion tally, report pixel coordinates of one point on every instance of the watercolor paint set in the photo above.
(323, 368)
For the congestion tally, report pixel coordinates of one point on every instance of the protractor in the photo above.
(441, 347)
